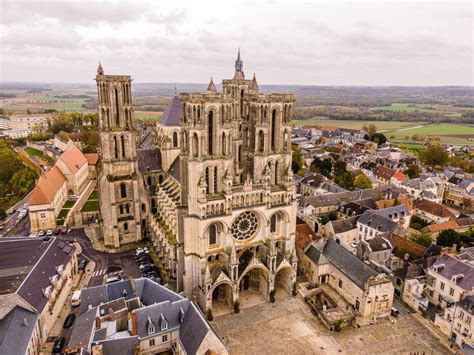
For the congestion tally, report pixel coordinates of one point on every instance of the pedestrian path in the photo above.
(99, 272)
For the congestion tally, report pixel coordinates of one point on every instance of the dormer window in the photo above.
(164, 323)
(60, 269)
(53, 280)
(47, 291)
(150, 327)
(181, 315)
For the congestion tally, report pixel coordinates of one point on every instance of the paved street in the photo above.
(289, 327)
(23, 228)
(105, 262)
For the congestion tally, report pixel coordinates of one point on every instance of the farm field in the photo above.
(403, 107)
(148, 115)
(449, 133)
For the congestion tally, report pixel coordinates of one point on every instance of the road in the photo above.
(12, 224)
(105, 262)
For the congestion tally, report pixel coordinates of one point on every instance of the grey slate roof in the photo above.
(58, 253)
(454, 266)
(14, 336)
(193, 330)
(94, 296)
(344, 225)
(378, 222)
(467, 304)
(346, 262)
(83, 327)
(172, 112)
(399, 211)
(175, 169)
(150, 292)
(149, 160)
(122, 346)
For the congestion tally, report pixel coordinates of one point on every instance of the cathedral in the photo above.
(212, 188)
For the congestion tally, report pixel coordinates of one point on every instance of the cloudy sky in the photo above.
(284, 42)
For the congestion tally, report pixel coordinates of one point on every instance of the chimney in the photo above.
(134, 323)
(25, 322)
(97, 322)
(453, 249)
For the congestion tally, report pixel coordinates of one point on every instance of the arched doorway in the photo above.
(284, 279)
(253, 287)
(222, 299)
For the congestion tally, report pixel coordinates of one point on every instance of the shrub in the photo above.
(338, 325)
(209, 315)
(237, 306)
(294, 289)
(272, 296)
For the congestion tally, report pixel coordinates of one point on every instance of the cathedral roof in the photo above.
(149, 160)
(171, 115)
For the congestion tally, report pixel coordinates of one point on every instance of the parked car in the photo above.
(113, 279)
(141, 259)
(49, 233)
(57, 231)
(143, 266)
(81, 265)
(69, 321)
(64, 230)
(41, 234)
(148, 269)
(141, 251)
(58, 345)
(73, 197)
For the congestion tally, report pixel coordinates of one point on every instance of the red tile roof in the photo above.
(74, 159)
(432, 207)
(399, 176)
(92, 158)
(304, 235)
(47, 187)
(384, 172)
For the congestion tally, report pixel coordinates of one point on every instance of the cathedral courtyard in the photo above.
(288, 326)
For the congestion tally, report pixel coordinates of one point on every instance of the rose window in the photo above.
(244, 226)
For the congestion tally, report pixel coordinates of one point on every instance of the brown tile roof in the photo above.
(384, 172)
(399, 176)
(432, 207)
(405, 247)
(304, 235)
(47, 187)
(442, 226)
(73, 158)
(92, 158)
(403, 200)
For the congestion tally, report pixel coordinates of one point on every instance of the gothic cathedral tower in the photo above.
(123, 205)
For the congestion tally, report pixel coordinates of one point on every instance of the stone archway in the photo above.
(284, 279)
(254, 286)
(222, 298)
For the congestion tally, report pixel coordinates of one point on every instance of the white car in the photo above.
(41, 234)
(49, 233)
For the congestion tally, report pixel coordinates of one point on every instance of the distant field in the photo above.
(381, 125)
(150, 115)
(403, 108)
(449, 133)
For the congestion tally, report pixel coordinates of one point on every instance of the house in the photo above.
(334, 269)
(376, 250)
(141, 315)
(36, 276)
(430, 188)
(449, 280)
(92, 163)
(458, 325)
(397, 178)
(384, 174)
(371, 224)
(343, 231)
(431, 212)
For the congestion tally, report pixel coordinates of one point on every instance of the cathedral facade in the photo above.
(222, 195)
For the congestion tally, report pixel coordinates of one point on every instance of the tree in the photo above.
(339, 167)
(3, 214)
(434, 155)
(370, 129)
(296, 161)
(422, 238)
(345, 180)
(448, 238)
(415, 137)
(379, 138)
(413, 171)
(323, 167)
(362, 181)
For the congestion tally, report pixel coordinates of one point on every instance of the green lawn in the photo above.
(90, 206)
(62, 214)
(442, 130)
(69, 203)
(34, 152)
(381, 125)
(93, 195)
(148, 116)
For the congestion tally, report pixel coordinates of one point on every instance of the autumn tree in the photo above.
(361, 181)
(434, 155)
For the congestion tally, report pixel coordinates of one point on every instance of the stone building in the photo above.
(123, 205)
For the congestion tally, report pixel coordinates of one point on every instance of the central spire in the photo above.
(239, 68)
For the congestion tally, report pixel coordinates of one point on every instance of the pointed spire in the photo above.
(211, 87)
(100, 70)
(254, 83)
(239, 68)
(207, 277)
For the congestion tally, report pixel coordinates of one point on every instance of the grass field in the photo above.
(33, 152)
(148, 115)
(448, 133)
(403, 108)
(381, 125)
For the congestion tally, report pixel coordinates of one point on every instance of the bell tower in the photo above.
(123, 206)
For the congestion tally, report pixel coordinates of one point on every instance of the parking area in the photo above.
(288, 326)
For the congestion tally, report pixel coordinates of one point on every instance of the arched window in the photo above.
(210, 129)
(125, 226)
(241, 102)
(115, 147)
(123, 190)
(261, 141)
(117, 114)
(273, 223)
(123, 146)
(223, 144)
(127, 208)
(215, 179)
(240, 154)
(160, 179)
(207, 180)
(273, 129)
(143, 207)
(148, 180)
(195, 145)
(153, 203)
(175, 139)
(121, 209)
(277, 168)
(212, 234)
